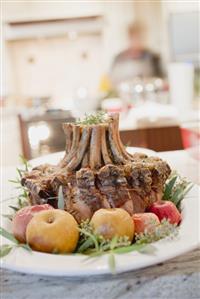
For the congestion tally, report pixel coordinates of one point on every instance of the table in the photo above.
(178, 278)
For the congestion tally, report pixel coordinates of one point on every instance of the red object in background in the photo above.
(191, 141)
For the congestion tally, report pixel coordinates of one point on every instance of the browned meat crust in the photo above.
(97, 172)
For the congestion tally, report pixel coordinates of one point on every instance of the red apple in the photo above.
(23, 217)
(166, 209)
(145, 222)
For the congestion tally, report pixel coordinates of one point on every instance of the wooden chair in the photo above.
(158, 139)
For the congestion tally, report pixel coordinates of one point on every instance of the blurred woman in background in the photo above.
(136, 61)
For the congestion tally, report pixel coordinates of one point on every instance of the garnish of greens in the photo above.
(5, 249)
(22, 197)
(93, 119)
(94, 245)
(164, 230)
(176, 189)
(61, 202)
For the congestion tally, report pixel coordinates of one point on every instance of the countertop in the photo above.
(177, 278)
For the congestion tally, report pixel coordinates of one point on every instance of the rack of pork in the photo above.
(97, 172)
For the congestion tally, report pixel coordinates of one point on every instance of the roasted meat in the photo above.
(97, 172)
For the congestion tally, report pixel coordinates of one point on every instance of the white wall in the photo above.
(30, 10)
(58, 67)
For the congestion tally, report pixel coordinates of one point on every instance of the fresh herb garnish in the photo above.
(4, 233)
(93, 119)
(163, 230)
(61, 202)
(22, 197)
(112, 262)
(95, 245)
(5, 249)
(92, 244)
(176, 188)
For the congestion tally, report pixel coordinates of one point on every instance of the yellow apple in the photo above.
(53, 231)
(113, 222)
(23, 217)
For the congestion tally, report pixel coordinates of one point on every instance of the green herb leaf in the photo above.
(14, 208)
(87, 244)
(176, 188)
(14, 181)
(180, 195)
(168, 188)
(113, 242)
(92, 253)
(176, 194)
(5, 250)
(19, 171)
(61, 202)
(93, 119)
(92, 236)
(25, 246)
(112, 263)
(22, 198)
(8, 235)
(8, 216)
(24, 162)
(148, 249)
(126, 249)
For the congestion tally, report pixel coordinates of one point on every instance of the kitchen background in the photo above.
(57, 61)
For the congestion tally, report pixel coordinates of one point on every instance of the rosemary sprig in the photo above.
(22, 197)
(93, 119)
(176, 188)
(95, 245)
(91, 243)
(5, 249)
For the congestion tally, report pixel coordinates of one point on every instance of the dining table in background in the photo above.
(178, 278)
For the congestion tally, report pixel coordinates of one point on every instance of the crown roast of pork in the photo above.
(97, 172)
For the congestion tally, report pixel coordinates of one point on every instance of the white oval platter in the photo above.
(77, 265)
